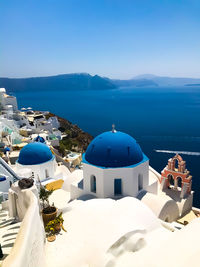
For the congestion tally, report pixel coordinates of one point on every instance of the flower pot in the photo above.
(25, 183)
(51, 238)
(47, 217)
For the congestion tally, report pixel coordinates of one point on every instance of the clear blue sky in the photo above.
(114, 38)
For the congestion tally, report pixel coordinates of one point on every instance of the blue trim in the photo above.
(53, 157)
(145, 158)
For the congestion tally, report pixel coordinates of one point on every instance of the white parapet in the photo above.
(28, 249)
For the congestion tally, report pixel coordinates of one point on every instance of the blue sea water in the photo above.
(159, 118)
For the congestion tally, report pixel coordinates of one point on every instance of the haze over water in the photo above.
(159, 118)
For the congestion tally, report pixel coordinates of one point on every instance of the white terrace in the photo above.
(100, 232)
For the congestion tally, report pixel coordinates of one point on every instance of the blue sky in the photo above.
(114, 38)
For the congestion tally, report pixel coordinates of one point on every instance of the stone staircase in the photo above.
(9, 229)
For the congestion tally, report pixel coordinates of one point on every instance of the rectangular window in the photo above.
(118, 186)
(93, 184)
(140, 182)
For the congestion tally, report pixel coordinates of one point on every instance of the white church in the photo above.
(114, 166)
(37, 160)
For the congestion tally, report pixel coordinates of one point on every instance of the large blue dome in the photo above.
(113, 149)
(35, 153)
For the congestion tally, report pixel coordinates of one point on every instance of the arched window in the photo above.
(93, 184)
(176, 164)
(179, 181)
(140, 182)
(171, 179)
(46, 173)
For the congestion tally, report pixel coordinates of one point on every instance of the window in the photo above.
(46, 173)
(140, 182)
(176, 163)
(93, 184)
(171, 179)
(118, 186)
(179, 181)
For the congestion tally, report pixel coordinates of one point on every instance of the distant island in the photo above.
(59, 82)
(134, 83)
(85, 81)
(193, 84)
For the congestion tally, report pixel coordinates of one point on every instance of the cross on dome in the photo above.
(113, 128)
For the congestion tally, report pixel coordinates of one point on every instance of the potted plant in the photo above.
(49, 212)
(53, 227)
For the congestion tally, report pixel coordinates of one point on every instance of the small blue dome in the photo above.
(113, 150)
(39, 139)
(6, 149)
(35, 153)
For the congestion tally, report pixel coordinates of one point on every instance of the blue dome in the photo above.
(35, 153)
(113, 149)
(39, 139)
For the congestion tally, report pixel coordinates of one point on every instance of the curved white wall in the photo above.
(163, 206)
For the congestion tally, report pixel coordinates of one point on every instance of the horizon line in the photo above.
(103, 76)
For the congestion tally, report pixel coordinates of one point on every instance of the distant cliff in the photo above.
(85, 81)
(135, 83)
(76, 139)
(192, 84)
(75, 81)
(168, 81)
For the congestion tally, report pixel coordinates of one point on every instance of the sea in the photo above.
(163, 120)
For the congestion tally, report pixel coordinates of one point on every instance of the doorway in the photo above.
(118, 186)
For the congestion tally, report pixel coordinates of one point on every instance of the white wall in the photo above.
(75, 192)
(89, 170)
(129, 178)
(105, 179)
(39, 169)
(54, 142)
(162, 206)
(10, 100)
(5, 170)
(5, 185)
(54, 122)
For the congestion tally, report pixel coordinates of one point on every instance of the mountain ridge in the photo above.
(85, 81)
(168, 81)
(75, 81)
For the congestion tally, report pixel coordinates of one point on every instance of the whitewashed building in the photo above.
(7, 100)
(38, 158)
(114, 166)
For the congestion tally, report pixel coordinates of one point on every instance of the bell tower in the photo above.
(176, 177)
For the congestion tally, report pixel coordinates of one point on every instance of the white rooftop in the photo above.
(2, 90)
(93, 226)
